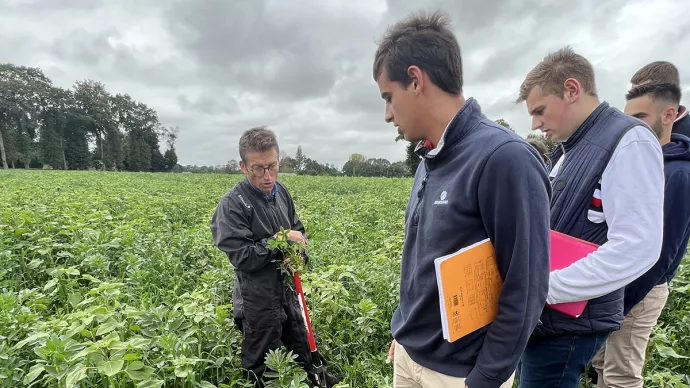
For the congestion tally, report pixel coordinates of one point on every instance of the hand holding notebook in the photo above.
(566, 250)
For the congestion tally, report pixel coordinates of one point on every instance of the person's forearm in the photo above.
(251, 258)
(613, 266)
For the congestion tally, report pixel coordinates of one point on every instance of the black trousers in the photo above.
(266, 327)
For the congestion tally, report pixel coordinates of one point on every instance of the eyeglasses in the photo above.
(259, 171)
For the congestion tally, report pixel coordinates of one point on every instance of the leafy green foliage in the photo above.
(284, 372)
(292, 253)
(112, 280)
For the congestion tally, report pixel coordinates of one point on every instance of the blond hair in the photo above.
(552, 72)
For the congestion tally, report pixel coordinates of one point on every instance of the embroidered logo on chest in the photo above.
(443, 200)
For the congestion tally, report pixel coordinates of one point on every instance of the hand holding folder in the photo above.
(566, 250)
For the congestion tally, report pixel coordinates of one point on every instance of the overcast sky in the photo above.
(303, 67)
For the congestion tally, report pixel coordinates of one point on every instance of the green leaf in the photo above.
(136, 365)
(74, 299)
(666, 352)
(72, 271)
(77, 374)
(138, 342)
(140, 374)
(150, 384)
(35, 263)
(206, 384)
(74, 329)
(30, 338)
(107, 326)
(130, 357)
(51, 283)
(81, 354)
(177, 323)
(34, 372)
(182, 371)
(52, 370)
(91, 278)
(111, 368)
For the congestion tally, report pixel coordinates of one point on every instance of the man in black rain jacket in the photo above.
(266, 309)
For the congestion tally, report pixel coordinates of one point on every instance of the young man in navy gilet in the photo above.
(608, 189)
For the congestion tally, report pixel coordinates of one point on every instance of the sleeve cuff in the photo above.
(477, 379)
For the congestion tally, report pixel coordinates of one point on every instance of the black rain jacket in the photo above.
(244, 221)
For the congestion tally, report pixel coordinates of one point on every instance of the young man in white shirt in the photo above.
(608, 189)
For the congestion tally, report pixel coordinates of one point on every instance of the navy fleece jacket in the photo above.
(481, 181)
(676, 222)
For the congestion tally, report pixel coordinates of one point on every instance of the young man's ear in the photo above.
(668, 116)
(572, 89)
(415, 74)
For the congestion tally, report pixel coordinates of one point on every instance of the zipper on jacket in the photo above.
(420, 194)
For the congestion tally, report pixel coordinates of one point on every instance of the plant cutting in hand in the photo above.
(293, 253)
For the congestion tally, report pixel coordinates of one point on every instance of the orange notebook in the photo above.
(468, 287)
(566, 250)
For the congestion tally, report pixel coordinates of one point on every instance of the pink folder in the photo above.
(565, 250)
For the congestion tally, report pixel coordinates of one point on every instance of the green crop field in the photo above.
(111, 280)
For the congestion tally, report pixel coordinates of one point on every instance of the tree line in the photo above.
(357, 164)
(300, 164)
(84, 127)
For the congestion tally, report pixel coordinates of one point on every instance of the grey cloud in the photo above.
(209, 102)
(83, 48)
(358, 94)
(107, 58)
(40, 6)
(286, 54)
(239, 44)
(517, 33)
(501, 64)
(303, 68)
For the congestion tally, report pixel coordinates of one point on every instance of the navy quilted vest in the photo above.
(587, 153)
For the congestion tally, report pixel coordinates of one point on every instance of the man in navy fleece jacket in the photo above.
(477, 180)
